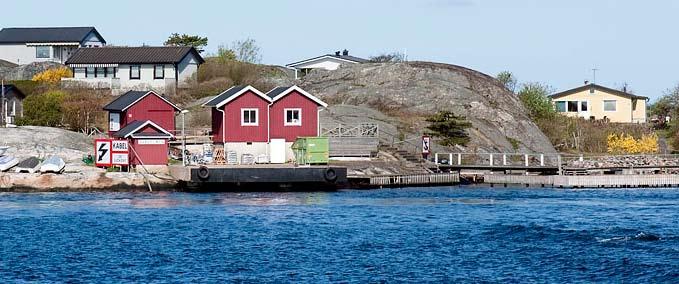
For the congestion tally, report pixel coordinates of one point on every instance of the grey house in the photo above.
(11, 104)
(28, 45)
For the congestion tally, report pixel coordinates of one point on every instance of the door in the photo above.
(583, 109)
(277, 151)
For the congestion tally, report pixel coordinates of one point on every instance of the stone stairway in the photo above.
(402, 154)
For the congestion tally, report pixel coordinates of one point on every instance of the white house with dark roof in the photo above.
(28, 45)
(162, 68)
(326, 62)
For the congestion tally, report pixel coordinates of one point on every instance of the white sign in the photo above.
(102, 152)
(120, 159)
(120, 146)
(150, 141)
(113, 121)
(426, 146)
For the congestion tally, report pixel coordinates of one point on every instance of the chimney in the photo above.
(337, 53)
(586, 82)
(345, 52)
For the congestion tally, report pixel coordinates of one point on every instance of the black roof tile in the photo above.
(52, 34)
(133, 55)
(224, 96)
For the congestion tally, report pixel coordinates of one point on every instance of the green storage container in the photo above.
(311, 150)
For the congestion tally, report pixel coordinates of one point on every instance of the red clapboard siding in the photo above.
(150, 154)
(151, 108)
(237, 133)
(309, 117)
(216, 125)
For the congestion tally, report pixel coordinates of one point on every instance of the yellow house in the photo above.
(593, 101)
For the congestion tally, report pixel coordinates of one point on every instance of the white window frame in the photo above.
(604, 105)
(49, 51)
(285, 117)
(242, 117)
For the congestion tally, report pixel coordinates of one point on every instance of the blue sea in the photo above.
(436, 234)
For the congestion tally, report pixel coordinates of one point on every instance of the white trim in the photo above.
(238, 94)
(147, 93)
(318, 58)
(92, 65)
(151, 137)
(144, 125)
(301, 91)
(285, 117)
(52, 43)
(242, 117)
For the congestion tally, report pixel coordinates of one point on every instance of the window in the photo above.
(42, 52)
(99, 72)
(293, 117)
(572, 106)
(135, 72)
(79, 70)
(248, 117)
(158, 71)
(609, 105)
(583, 106)
(112, 72)
(89, 72)
(560, 106)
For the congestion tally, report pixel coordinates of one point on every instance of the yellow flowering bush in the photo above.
(626, 144)
(53, 76)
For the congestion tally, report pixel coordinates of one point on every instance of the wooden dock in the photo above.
(590, 181)
(406, 180)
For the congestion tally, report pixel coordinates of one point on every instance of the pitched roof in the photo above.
(597, 87)
(7, 88)
(128, 99)
(231, 94)
(348, 58)
(133, 55)
(52, 34)
(131, 129)
(280, 92)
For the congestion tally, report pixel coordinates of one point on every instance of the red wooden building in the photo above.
(141, 106)
(148, 142)
(147, 121)
(245, 120)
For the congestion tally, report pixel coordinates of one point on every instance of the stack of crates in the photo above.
(311, 150)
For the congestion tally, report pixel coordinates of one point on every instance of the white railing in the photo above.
(498, 159)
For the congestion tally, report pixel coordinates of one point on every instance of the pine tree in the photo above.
(449, 127)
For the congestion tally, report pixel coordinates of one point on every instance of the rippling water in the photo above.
(441, 234)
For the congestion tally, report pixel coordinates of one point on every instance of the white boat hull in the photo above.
(53, 164)
(8, 163)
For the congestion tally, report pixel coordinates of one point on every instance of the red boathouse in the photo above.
(245, 120)
(141, 106)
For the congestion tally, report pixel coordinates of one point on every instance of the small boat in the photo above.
(3, 149)
(30, 165)
(7, 162)
(53, 164)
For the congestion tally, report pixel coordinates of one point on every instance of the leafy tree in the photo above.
(508, 79)
(388, 57)
(82, 109)
(449, 127)
(53, 76)
(225, 54)
(247, 51)
(534, 97)
(43, 110)
(197, 42)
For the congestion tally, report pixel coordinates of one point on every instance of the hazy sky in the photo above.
(555, 42)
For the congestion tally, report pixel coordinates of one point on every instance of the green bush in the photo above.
(43, 110)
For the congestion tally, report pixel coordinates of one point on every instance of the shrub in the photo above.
(53, 76)
(627, 144)
(82, 110)
(43, 110)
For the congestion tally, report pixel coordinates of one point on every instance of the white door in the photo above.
(277, 151)
(584, 109)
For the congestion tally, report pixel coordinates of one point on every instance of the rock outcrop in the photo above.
(409, 91)
(25, 72)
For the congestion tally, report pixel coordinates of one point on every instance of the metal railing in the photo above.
(498, 159)
(351, 130)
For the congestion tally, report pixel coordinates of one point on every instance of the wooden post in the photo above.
(436, 158)
(542, 160)
(450, 158)
(459, 159)
(525, 158)
(558, 160)
(504, 159)
(491, 160)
